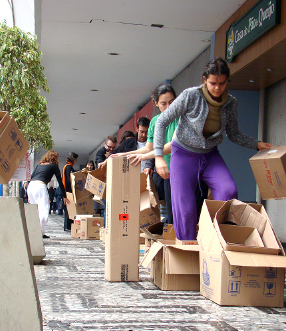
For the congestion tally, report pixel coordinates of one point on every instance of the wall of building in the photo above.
(275, 133)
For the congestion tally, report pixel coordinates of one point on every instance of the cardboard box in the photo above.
(269, 169)
(236, 278)
(176, 267)
(75, 229)
(84, 206)
(13, 147)
(252, 232)
(102, 234)
(149, 202)
(169, 232)
(96, 183)
(78, 180)
(122, 220)
(89, 227)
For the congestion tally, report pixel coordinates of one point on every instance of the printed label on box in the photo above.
(234, 287)
(206, 275)
(269, 288)
(270, 272)
(234, 271)
(124, 272)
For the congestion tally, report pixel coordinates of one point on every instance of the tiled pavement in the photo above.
(75, 296)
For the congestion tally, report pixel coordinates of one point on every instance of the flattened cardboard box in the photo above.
(269, 169)
(176, 267)
(84, 206)
(122, 220)
(13, 147)
(78, 180)
(96, 183)
(149, 202)
(236, 278)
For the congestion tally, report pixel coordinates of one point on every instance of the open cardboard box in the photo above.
(269, 169)
(176, 267)
(236, 278)
(78, 180)
(84, 206)
(252, 231)
(149, 202)
(96, 183)
(13, 147)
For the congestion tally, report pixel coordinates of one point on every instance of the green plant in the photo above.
(21, 80)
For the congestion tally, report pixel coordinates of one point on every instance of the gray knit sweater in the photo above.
(193, 109)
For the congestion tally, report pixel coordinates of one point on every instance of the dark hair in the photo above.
(90, 161)
(71, 157)
(111, 138)
(216, 66)
(162, 89)
(127, 134)
(143, 121)
(50, 157)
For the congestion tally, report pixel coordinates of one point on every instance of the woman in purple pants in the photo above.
(205, 113)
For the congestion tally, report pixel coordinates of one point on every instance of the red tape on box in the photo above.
(123, 217)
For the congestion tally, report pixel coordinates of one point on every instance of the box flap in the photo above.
(255, 260)
(150, 255)
(143, 182)
(149, 234)
(182, 260)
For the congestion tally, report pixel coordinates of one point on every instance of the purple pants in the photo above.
(185, 170)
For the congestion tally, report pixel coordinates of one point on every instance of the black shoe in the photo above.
(45, 236)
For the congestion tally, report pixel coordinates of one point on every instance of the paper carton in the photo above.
(102, 234)
(96, 183)
(149, 202)
(78, 180)
(84, 206)
(75, 229)
(235, 278)
(169, 232)
(122, 220)
(176, 267)
(89, 227)
(269, 169)
(13, 147)
(251, 232)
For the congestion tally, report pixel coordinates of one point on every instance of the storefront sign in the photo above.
(260, 19)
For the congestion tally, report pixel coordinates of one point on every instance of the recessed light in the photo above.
(157, 25)
(251, 81)
(113, 54)
(82, 113)
(94, 90)
(69, 140)
(270, 69)
(74, 129)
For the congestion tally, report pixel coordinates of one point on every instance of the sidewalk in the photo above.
(75, 296)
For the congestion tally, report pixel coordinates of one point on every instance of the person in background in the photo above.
(106, 150)
(126, 135)
(67, 170)
(89, 166)
(51, 197)
(205, 112)
(59, 197)
(54, 202)
(134, 143)
(37, 189)
(23, 192)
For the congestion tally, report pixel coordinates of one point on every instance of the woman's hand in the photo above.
(261, 145)
(137, 158)
(118, 154)
(66, 201)
(161, 167)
